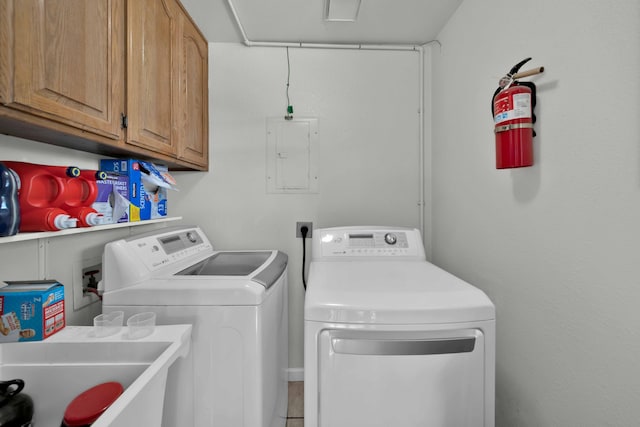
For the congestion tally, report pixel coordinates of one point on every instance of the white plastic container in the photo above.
(108, 324)
(56, 370)
(141, 324)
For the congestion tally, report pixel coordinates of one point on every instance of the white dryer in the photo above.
(391, 339)
(235, 374)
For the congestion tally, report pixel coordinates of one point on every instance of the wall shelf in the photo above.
(20, 237)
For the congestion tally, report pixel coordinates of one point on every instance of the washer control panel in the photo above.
(161, 250)
(367, 242)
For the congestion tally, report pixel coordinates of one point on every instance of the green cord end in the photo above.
(289, 115)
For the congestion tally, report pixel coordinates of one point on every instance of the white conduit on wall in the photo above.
(416, 48)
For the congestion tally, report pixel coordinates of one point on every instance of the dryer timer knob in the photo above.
(390, 238)
(192, 238)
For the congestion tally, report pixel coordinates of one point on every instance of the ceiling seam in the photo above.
(356, 46)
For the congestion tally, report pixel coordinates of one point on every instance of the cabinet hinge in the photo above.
(125, 121)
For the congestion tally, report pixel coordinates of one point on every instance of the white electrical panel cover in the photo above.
(292, 155)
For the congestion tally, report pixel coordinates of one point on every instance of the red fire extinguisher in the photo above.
(512, 108)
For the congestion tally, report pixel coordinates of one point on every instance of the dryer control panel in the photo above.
(376, 242)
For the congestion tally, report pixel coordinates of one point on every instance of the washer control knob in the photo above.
(390, 238)
(192, 238)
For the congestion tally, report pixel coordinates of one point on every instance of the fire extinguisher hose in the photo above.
(528, 73)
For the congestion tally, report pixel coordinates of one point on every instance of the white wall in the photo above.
(367, 104)
(554, 245)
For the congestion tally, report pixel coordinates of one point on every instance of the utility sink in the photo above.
(58, 369)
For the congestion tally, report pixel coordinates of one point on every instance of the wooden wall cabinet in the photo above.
(194, 94)
(63, 78)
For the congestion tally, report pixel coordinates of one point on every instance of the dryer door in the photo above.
(409, 379)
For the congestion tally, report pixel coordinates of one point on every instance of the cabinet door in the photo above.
(66, 62)
(194, 95)
(152, 92)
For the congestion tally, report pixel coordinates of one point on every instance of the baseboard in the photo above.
(295, 374)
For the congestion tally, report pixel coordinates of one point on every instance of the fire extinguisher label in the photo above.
(517, 106)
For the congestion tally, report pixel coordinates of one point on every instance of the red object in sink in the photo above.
(90, 404)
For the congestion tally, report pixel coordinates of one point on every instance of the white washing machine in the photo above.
(391, 339)
(235, 374)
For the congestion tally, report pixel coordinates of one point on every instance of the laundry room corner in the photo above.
(368, 149)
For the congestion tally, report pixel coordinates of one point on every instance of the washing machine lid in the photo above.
(391, 293)
(228, 278)
(251, 264)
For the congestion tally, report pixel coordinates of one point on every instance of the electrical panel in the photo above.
(292, 155)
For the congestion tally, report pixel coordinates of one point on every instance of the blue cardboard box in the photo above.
(31, 310)
(146, 203)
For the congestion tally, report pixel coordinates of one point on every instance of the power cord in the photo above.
(289, 114)
(304, 230)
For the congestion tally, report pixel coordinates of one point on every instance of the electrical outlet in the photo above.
(301, 224)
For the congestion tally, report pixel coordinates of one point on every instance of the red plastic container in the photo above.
(52, 198)
(38, 187)
(46, 219)
(80, 193)
(40, 192)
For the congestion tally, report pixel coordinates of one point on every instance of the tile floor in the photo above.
(295, 414)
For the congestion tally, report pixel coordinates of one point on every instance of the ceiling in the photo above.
(291, 21)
